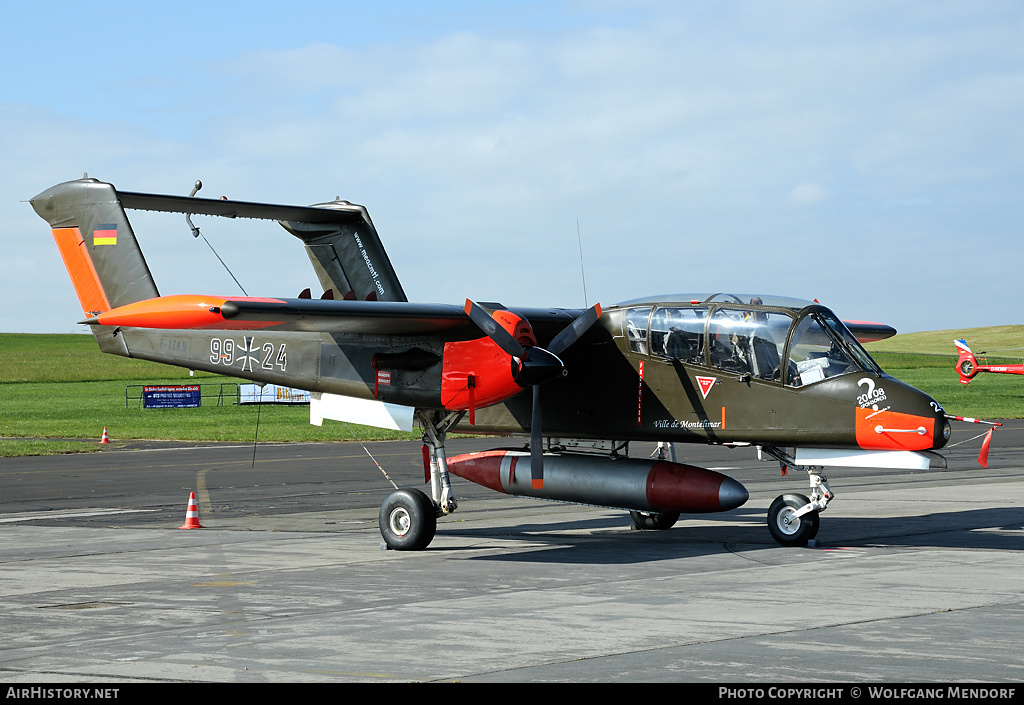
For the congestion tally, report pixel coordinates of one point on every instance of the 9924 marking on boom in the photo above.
(227, 352)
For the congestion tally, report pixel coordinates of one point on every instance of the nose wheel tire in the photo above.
(407, 520)
(658, 521)
(787, 529)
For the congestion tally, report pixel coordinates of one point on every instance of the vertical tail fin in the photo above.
(966, 365)
(97, 244)
(348, 255)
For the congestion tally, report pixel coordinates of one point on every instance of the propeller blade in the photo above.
(495, 332)
(537, 365)
(571, 333)
(536, 443)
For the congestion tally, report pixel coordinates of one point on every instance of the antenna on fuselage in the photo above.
(583, 274)
(196, 233)
(188, 216)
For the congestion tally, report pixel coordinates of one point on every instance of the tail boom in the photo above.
(966, 364)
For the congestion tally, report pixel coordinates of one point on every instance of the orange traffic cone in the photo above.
(105, 438)
(192, 514)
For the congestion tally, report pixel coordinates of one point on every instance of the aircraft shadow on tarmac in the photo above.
(608, 540)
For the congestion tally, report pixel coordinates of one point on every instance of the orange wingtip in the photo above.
(180, 311)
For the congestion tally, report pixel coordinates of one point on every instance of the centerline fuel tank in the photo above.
(625, 483)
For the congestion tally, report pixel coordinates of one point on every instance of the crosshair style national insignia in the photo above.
(248, 356)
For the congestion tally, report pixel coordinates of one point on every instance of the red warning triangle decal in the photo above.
(706, 383)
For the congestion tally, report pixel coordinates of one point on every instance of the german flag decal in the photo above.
(104, 234)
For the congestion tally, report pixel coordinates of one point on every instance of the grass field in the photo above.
(1006, 341)
(59, 387)
(927, 361)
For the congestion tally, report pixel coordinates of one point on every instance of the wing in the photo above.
(867, 332)
(196, 312)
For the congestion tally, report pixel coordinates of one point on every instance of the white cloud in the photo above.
(751, 146)
(807, 194)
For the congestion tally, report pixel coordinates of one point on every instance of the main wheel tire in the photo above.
(407, 520)
(786, 530)
(654, 521)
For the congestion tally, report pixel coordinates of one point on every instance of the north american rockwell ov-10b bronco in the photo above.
(784, 375)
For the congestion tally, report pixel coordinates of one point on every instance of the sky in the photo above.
(869, 155)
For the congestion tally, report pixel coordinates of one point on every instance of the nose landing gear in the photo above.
(786, 526)
(793, 518)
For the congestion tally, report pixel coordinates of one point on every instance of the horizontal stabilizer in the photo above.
(238, 209)
(339, 236)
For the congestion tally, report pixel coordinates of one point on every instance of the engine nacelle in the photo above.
(478, 373)
(623, 483)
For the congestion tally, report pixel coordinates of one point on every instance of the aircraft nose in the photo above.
(942, 438)
(731, 494)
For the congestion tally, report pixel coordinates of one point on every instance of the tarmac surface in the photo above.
(918, 577)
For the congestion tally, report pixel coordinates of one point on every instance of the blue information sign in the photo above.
(171, 396)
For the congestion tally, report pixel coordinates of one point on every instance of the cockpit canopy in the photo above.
(771, 338)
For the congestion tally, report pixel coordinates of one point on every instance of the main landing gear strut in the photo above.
(793, 518)
(408, 517)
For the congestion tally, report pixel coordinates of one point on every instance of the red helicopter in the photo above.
(967, 365)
